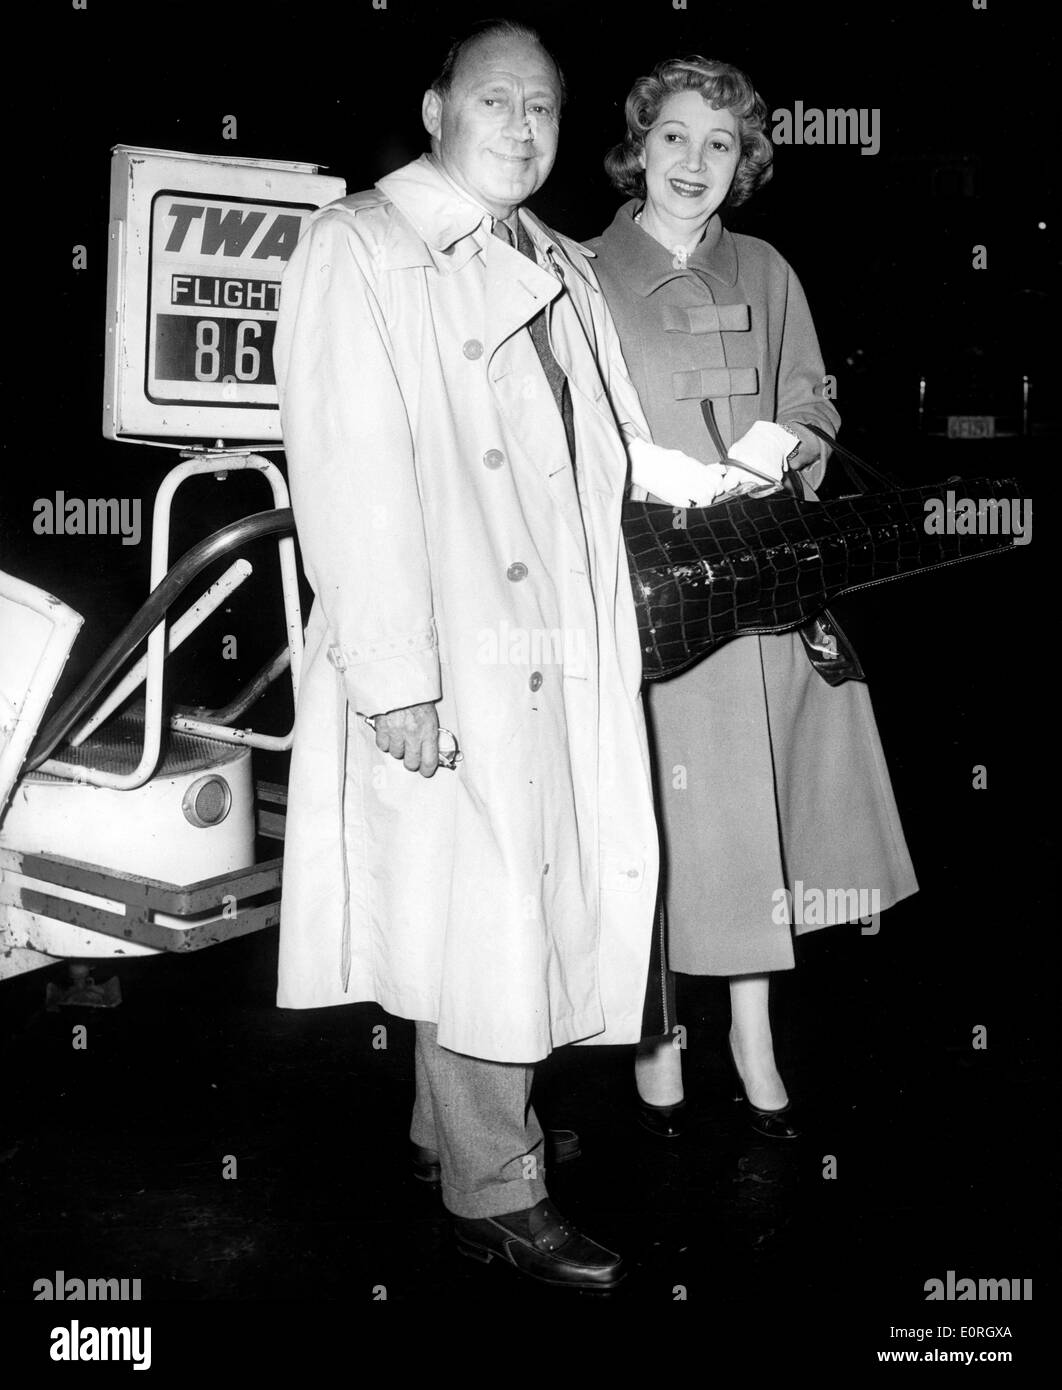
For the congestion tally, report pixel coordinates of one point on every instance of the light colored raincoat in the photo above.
(455, 556)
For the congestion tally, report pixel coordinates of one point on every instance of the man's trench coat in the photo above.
(510, 901)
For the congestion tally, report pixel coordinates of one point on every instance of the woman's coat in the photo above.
(772, 784)
(453, 559)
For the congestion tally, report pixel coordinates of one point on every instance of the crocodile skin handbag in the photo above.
(704, 575)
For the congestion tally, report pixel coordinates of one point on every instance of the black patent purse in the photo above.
(702, 576)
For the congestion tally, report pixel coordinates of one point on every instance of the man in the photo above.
(445, 366)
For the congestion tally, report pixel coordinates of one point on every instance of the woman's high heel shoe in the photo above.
(771, 1124)
(665, 1121)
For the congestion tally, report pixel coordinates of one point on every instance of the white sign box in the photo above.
(198, 244)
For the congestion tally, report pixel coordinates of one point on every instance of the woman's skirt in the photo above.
(776, 807)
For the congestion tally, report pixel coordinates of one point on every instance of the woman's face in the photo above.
(690, 157)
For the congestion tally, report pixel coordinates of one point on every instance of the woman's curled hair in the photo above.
(721, 85)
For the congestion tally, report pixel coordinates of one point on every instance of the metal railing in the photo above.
(148, 621)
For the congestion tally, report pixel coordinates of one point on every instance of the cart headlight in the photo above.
(207, 801)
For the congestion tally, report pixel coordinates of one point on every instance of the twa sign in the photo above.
(228, 231)
(197, 249)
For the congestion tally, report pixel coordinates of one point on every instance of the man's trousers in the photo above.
(477, 1117)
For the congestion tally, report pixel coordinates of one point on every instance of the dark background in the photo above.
(944, 1152)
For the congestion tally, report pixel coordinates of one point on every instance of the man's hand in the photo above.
(411, 735)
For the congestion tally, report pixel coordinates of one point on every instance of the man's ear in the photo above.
(431, 113)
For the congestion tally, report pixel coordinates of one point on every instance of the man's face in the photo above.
(496, 131)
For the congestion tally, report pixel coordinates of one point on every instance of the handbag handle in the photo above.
(850, 461)
(788, 481)
(721, 449)
(713, 429)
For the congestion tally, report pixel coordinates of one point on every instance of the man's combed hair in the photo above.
(721, 85)
(491, 28)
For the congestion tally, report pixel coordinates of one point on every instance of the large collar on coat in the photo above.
(647, 265)
(447, 228)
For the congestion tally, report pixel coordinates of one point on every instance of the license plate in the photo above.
(971, 426)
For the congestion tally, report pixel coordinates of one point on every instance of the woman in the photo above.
(768, 776)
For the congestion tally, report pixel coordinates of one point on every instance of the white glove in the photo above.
(674, 477)
(764, 447)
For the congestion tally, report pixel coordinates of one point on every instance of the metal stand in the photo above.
(220, 462)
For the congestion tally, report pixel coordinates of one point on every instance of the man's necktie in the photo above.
(558, 382)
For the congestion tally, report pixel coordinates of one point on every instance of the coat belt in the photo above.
(716, 381)
(343, 711)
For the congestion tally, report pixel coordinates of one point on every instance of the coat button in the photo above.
(536, 680)
(494, 458)
(516, 572)
(473, 349)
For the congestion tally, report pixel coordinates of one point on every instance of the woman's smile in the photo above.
(688, 189)
(690, 157)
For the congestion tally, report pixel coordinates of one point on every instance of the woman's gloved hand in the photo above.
(767, 450)
(676, 478)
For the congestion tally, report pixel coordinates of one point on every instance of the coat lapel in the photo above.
(453, 232)
(513, 299)
(516, 289)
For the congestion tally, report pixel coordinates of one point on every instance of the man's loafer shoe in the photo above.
(540, 1243)
(562, 1146)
